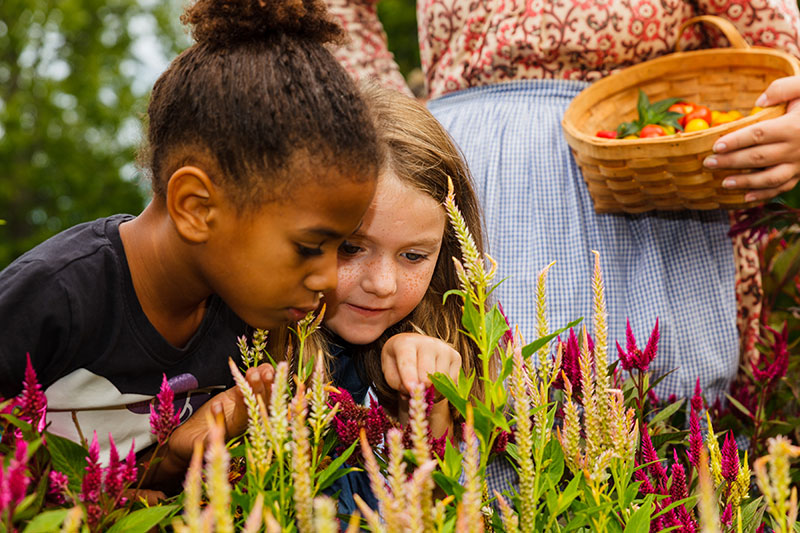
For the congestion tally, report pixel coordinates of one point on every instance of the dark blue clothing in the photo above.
(348, 376)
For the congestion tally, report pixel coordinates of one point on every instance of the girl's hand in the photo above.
(409, 358)
(771, 146)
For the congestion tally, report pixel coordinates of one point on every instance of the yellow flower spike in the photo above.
(524, 434)
(278, 428)
(301, 462)
(319, 415)
(378, 486)
(396, 470)
(473, 262)
(270, 523)
(714, 454)
(254, 519)
(707, 500)
(373, 519)
(570, 438)
(507, 514)
(556, 370)
(325, 520)
(354, 525)
(741, 487)
(418, 421)
(193, 491)
(593, 423)
(600, 340)
(419, 490)
(217, 463)
(781, 500)
(72, 522)
(470, 519)
(256, 432)
(542, 328)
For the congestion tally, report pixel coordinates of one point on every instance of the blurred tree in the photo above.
(399, 19)
(71, 98)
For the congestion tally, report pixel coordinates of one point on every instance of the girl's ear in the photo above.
(191, 203)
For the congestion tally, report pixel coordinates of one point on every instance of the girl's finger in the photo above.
(407, 367)
(426, 365)
(759, 156)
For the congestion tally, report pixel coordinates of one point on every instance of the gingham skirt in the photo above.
(676, 266)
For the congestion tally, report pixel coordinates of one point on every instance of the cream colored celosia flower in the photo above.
(278, 427)
(255, 518)
(774, 485)
(523, 434)
(301, 462)
(707, 498)
(219, 489)
(325, 520)
(570, 433)
(542, 328)
(508, 516)
(470, 519)
(256, 431)
(72, 522)
(191, 521)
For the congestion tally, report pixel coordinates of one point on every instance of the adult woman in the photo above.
(502, 72)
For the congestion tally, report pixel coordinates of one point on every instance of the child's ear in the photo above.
(191, 202)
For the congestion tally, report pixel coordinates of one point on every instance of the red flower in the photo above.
(164, 419)
(730, 458)
(632, 357)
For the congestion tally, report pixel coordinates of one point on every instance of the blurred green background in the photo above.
(74, 81)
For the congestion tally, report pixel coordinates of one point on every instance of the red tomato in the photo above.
(652, 130)
(681, 108)
(607, 134)
(701, 112)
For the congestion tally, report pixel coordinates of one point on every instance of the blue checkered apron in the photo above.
(676, 266)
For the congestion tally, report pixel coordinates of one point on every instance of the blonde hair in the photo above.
(420, 153)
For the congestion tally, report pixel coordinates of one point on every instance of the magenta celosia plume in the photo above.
(730, 458)
(32, 401)
(164, 419)
(632, 357)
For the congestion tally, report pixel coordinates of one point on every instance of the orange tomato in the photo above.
(755, 110)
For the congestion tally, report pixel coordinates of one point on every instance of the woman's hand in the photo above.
(408, 359)
(770, 146)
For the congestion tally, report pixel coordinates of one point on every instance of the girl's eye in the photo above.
(306, 251)
(414, 258)
(347, 248)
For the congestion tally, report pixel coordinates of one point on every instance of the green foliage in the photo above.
(399, 20)
(70, 110)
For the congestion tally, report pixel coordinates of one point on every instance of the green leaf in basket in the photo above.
(627, 128)
(642, 105)
(662, 105)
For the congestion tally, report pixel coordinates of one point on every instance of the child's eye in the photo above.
(413, 257)
(347, 248)
(307, 251)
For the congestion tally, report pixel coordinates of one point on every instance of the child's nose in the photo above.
(380, 278)
(325, 276)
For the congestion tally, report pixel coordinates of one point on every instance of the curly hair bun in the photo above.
(225, 21)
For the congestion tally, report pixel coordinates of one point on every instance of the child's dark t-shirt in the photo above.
(71, 304)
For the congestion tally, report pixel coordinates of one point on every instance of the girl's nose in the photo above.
(380, 278)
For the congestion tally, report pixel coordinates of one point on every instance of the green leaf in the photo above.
(333, 471)
(451, 464)
(642, 105)
(68, 458)
(666, 412)
(143, 520)
(532, 348)
(640, 520)
(555, 468)
(448, 485)
(32, 503)
(445, 386)
(46, 522)
(496, 326)
(739, 406)
(628, 128)
(662, 105)
(663, 438)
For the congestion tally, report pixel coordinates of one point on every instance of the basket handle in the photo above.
(723, 25)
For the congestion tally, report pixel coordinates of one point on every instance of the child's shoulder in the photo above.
(75, 247)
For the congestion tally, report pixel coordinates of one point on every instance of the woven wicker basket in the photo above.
(667, 173)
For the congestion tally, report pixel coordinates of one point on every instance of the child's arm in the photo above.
(168, 472)
(408, 359)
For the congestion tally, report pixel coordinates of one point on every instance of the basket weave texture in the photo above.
(667, 173)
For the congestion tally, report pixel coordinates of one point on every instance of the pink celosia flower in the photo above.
(678, 490)
(697, 398)
(634, 358)
(727, 515)
(114, 478)
(93, 478)
(32, 401)
(570, 365)
(639, 474)
(501, 442)
(773, 370)
(730, 458)
(131, 471)
(57, 486)
(649, 455)
(14, 482)
(164, 419)
(695, 438)
(653, 397)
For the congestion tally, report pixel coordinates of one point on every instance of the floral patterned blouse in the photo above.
(469, 43)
